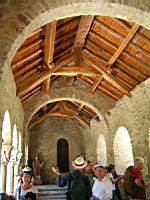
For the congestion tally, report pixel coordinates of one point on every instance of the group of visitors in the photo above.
(88, 182)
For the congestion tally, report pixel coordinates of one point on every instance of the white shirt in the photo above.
(23, 192)
(102, 189)
(109, 175)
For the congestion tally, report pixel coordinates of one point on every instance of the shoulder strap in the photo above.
(19, 192)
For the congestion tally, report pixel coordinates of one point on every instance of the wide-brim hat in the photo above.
(79, 163)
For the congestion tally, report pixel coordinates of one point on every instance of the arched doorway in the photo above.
(63, 155)
(123, 154)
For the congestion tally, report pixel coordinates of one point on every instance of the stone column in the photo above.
(16, 168)
(4, 162)
(10, 180)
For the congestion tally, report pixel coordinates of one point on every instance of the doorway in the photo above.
(63, 155)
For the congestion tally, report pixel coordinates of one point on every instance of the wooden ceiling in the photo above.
(65, 109)
(111, 55)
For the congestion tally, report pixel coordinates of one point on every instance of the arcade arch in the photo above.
(101, 150)
(123, 155)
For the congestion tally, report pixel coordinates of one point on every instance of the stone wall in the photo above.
(9, 101)
(78, 92)
(133, 114)
(43, 141)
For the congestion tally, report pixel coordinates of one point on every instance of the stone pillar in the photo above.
(4, 162)
(10, 180)
(16, 168)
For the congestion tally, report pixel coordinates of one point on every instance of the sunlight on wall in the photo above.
(123, 154)
(15, 137)
(19, 142)
(101, 150)
(6, 130)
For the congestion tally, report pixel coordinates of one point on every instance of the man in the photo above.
(140, 193)
(102, 188)
(78, 185)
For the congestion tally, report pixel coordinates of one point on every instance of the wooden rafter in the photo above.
(97, 82)
(74, 71)
(82, 32)
(75, 113)
(50, 34)
(114, 81)
(26, 59)
(43, 76)
(123, 45)
(37, 120)
(83, 29)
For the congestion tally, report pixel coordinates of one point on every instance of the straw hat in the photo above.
(79, 163)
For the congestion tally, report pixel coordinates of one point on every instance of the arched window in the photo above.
(101, 150)
(123, 154)
(6, 129)
(15, 137)
(63, 155)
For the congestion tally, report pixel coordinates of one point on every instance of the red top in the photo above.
(140, 194)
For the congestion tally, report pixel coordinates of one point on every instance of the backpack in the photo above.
(129, 181)
(76, 188)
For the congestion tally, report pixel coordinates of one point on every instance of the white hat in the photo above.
(79, 163)
(26, 169)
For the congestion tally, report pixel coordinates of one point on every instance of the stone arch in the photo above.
(101, 150)
(54, 11)
(46, 101)
(6, 129)
(15, 137)
(123, 155)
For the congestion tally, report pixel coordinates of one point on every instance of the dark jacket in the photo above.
(66, 180)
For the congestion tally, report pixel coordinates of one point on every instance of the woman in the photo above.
(25, 186)
(114, 179)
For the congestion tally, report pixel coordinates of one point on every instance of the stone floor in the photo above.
(51, 192)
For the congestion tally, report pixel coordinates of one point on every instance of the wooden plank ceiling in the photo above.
(111, 55)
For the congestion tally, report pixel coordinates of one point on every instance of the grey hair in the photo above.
(139, 160)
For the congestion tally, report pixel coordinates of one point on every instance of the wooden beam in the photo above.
(30, 93)
(75, 113)
(83, 29)
(50, 33)
(123, 45)
(74, 71)
(39, 42)
(69, 80)
(101, 90)
(27, 58)
(97, 82)
(82, 32)
(114, 81)
(28, 67)
(43, 75)
(35, 121)
(46, 85)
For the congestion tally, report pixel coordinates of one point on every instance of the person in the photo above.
(4, 196)
(78, 184)
(25, 185)
(36, 168)
(30, 196)
(140, 193)
(102, 188)
(112, 175)
(89, 171)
